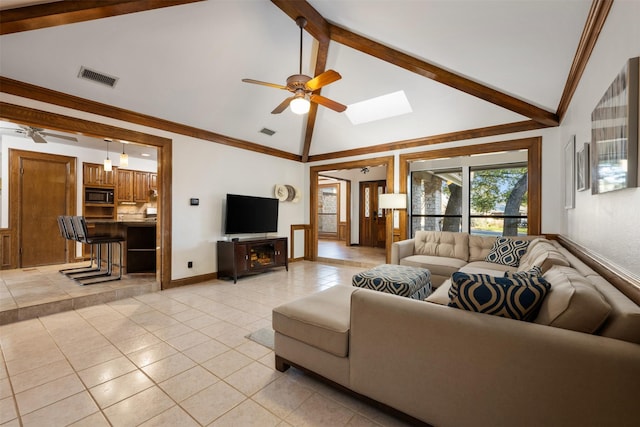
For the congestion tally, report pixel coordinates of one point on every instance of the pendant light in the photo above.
(124, 158)
(107, 161)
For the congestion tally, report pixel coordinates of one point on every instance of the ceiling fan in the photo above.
(303, 86)
(36, 134)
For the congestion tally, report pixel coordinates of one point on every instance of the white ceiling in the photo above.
(185, 64)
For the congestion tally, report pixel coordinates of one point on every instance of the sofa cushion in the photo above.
(507, 251)
(480, 246)
(441, 294)
(573, 302)
(623, 322)
(442, 243)
(321, 320)
(437, 265)
(544, 254)
(485, 267)
(513, 298)
(533, 272)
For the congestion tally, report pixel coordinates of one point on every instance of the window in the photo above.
(498, 200)
(436, 202)
(484, 194)
(328, 210)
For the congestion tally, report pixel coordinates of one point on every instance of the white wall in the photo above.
(209, 171)
(605, 223)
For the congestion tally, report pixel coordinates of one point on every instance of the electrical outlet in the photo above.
(190, 264)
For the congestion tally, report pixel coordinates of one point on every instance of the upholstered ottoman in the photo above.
(411, 282)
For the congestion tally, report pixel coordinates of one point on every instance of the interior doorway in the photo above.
(372, 219)
(352, 173)
(61, 123)
(41, 188)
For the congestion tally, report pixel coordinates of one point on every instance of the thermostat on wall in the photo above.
(194, 202)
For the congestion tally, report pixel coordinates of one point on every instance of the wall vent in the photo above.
(98, 77)
(267, 131)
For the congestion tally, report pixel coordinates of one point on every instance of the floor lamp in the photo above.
(392, 201)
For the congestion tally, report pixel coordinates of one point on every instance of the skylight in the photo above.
(378, 108)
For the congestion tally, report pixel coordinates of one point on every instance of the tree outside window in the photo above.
(499, 201)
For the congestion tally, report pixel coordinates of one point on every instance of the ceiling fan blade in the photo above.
(323, 79)
(335, 106)
(57, 135)
(38, 138)
(258, 82)
(283, 105)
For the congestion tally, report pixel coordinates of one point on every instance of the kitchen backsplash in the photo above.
(133, 212)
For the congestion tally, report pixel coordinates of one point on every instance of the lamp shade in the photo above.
(392, 201)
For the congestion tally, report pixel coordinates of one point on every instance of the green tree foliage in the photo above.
(492, 187)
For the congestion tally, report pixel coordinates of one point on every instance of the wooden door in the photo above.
(372, 219)
(45, 186)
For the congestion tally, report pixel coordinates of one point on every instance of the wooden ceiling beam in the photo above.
(38, 93)
(433, 72)
(595, 21)
(321, 64)
(435, 139)
(317, 26)
(68, 12)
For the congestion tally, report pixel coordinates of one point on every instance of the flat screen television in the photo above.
(249, 214)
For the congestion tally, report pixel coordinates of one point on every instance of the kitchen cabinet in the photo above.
(125, 185)
(153, 183)
(242, 257)
(94, 175)
(140, 186)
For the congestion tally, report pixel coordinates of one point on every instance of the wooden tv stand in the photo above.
(249, 256)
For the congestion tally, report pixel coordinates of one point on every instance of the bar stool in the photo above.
(80, 228)
(65, 225)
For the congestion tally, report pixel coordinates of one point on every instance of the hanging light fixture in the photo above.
(107, 161)
(300, 104)
(124, 158)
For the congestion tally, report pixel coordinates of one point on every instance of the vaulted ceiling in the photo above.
(468, 68)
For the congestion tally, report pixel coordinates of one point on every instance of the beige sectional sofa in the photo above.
(576, 364)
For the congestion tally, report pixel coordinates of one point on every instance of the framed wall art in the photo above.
(569, 174)
(582, 168)
(614, 134)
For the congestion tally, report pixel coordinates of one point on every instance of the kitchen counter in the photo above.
(139, 247)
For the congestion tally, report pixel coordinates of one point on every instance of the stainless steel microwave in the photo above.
(98, 195)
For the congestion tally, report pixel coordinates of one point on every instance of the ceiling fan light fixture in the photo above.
(300, 105)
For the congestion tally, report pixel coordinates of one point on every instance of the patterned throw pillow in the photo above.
(513, 298)
(535, 271)
(507, 252)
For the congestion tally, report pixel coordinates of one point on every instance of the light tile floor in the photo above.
(172, 358)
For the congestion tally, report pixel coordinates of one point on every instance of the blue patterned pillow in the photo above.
(513, 298)
(507, 252)
(535, 271)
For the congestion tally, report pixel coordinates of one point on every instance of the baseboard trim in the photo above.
(192, 280)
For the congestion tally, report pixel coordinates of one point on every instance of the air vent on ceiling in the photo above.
(267, 131)
(98, 77)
